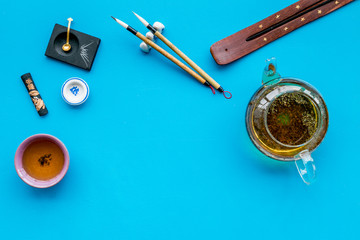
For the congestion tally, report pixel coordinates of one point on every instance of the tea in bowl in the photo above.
(41, 160)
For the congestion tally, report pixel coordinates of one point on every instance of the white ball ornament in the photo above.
(150, 36)
(159, 26)
(144, 47)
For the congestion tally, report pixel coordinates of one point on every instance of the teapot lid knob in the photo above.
(270, 72)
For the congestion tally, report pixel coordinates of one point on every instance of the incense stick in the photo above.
(163, 52)
(181, 54)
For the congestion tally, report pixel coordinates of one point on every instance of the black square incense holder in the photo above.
(83, 47)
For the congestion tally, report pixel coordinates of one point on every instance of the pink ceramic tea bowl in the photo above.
(19, 161)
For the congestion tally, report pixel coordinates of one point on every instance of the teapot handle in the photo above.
(306, 167)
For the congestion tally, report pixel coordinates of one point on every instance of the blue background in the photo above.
(153, 154)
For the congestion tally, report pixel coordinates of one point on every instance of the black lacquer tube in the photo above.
(34, 94)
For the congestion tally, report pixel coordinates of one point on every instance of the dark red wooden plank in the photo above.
(235, 46)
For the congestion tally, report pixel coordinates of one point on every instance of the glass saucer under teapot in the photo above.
(287, 119)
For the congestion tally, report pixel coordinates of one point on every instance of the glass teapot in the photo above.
(287, 119)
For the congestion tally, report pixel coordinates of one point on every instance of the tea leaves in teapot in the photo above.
(292, 119)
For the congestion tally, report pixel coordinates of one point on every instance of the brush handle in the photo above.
(171, 58)
(188, 60)
(34, 94)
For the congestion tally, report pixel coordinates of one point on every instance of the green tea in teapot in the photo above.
(287, 119)
(292, 119)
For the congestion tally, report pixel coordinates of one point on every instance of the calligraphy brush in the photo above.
(163, 52)
(182, 55)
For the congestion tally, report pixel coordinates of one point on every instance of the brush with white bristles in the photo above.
(183, 56)
(162, 51)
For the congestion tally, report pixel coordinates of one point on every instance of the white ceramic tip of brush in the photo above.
(159, 26)
(150, 36)
(144, 47)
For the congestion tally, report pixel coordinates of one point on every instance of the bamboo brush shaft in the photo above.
(188, 60)
(170, 57)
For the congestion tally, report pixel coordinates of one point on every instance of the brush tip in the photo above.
(135, 14)
(120, 22)
(141, 19)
